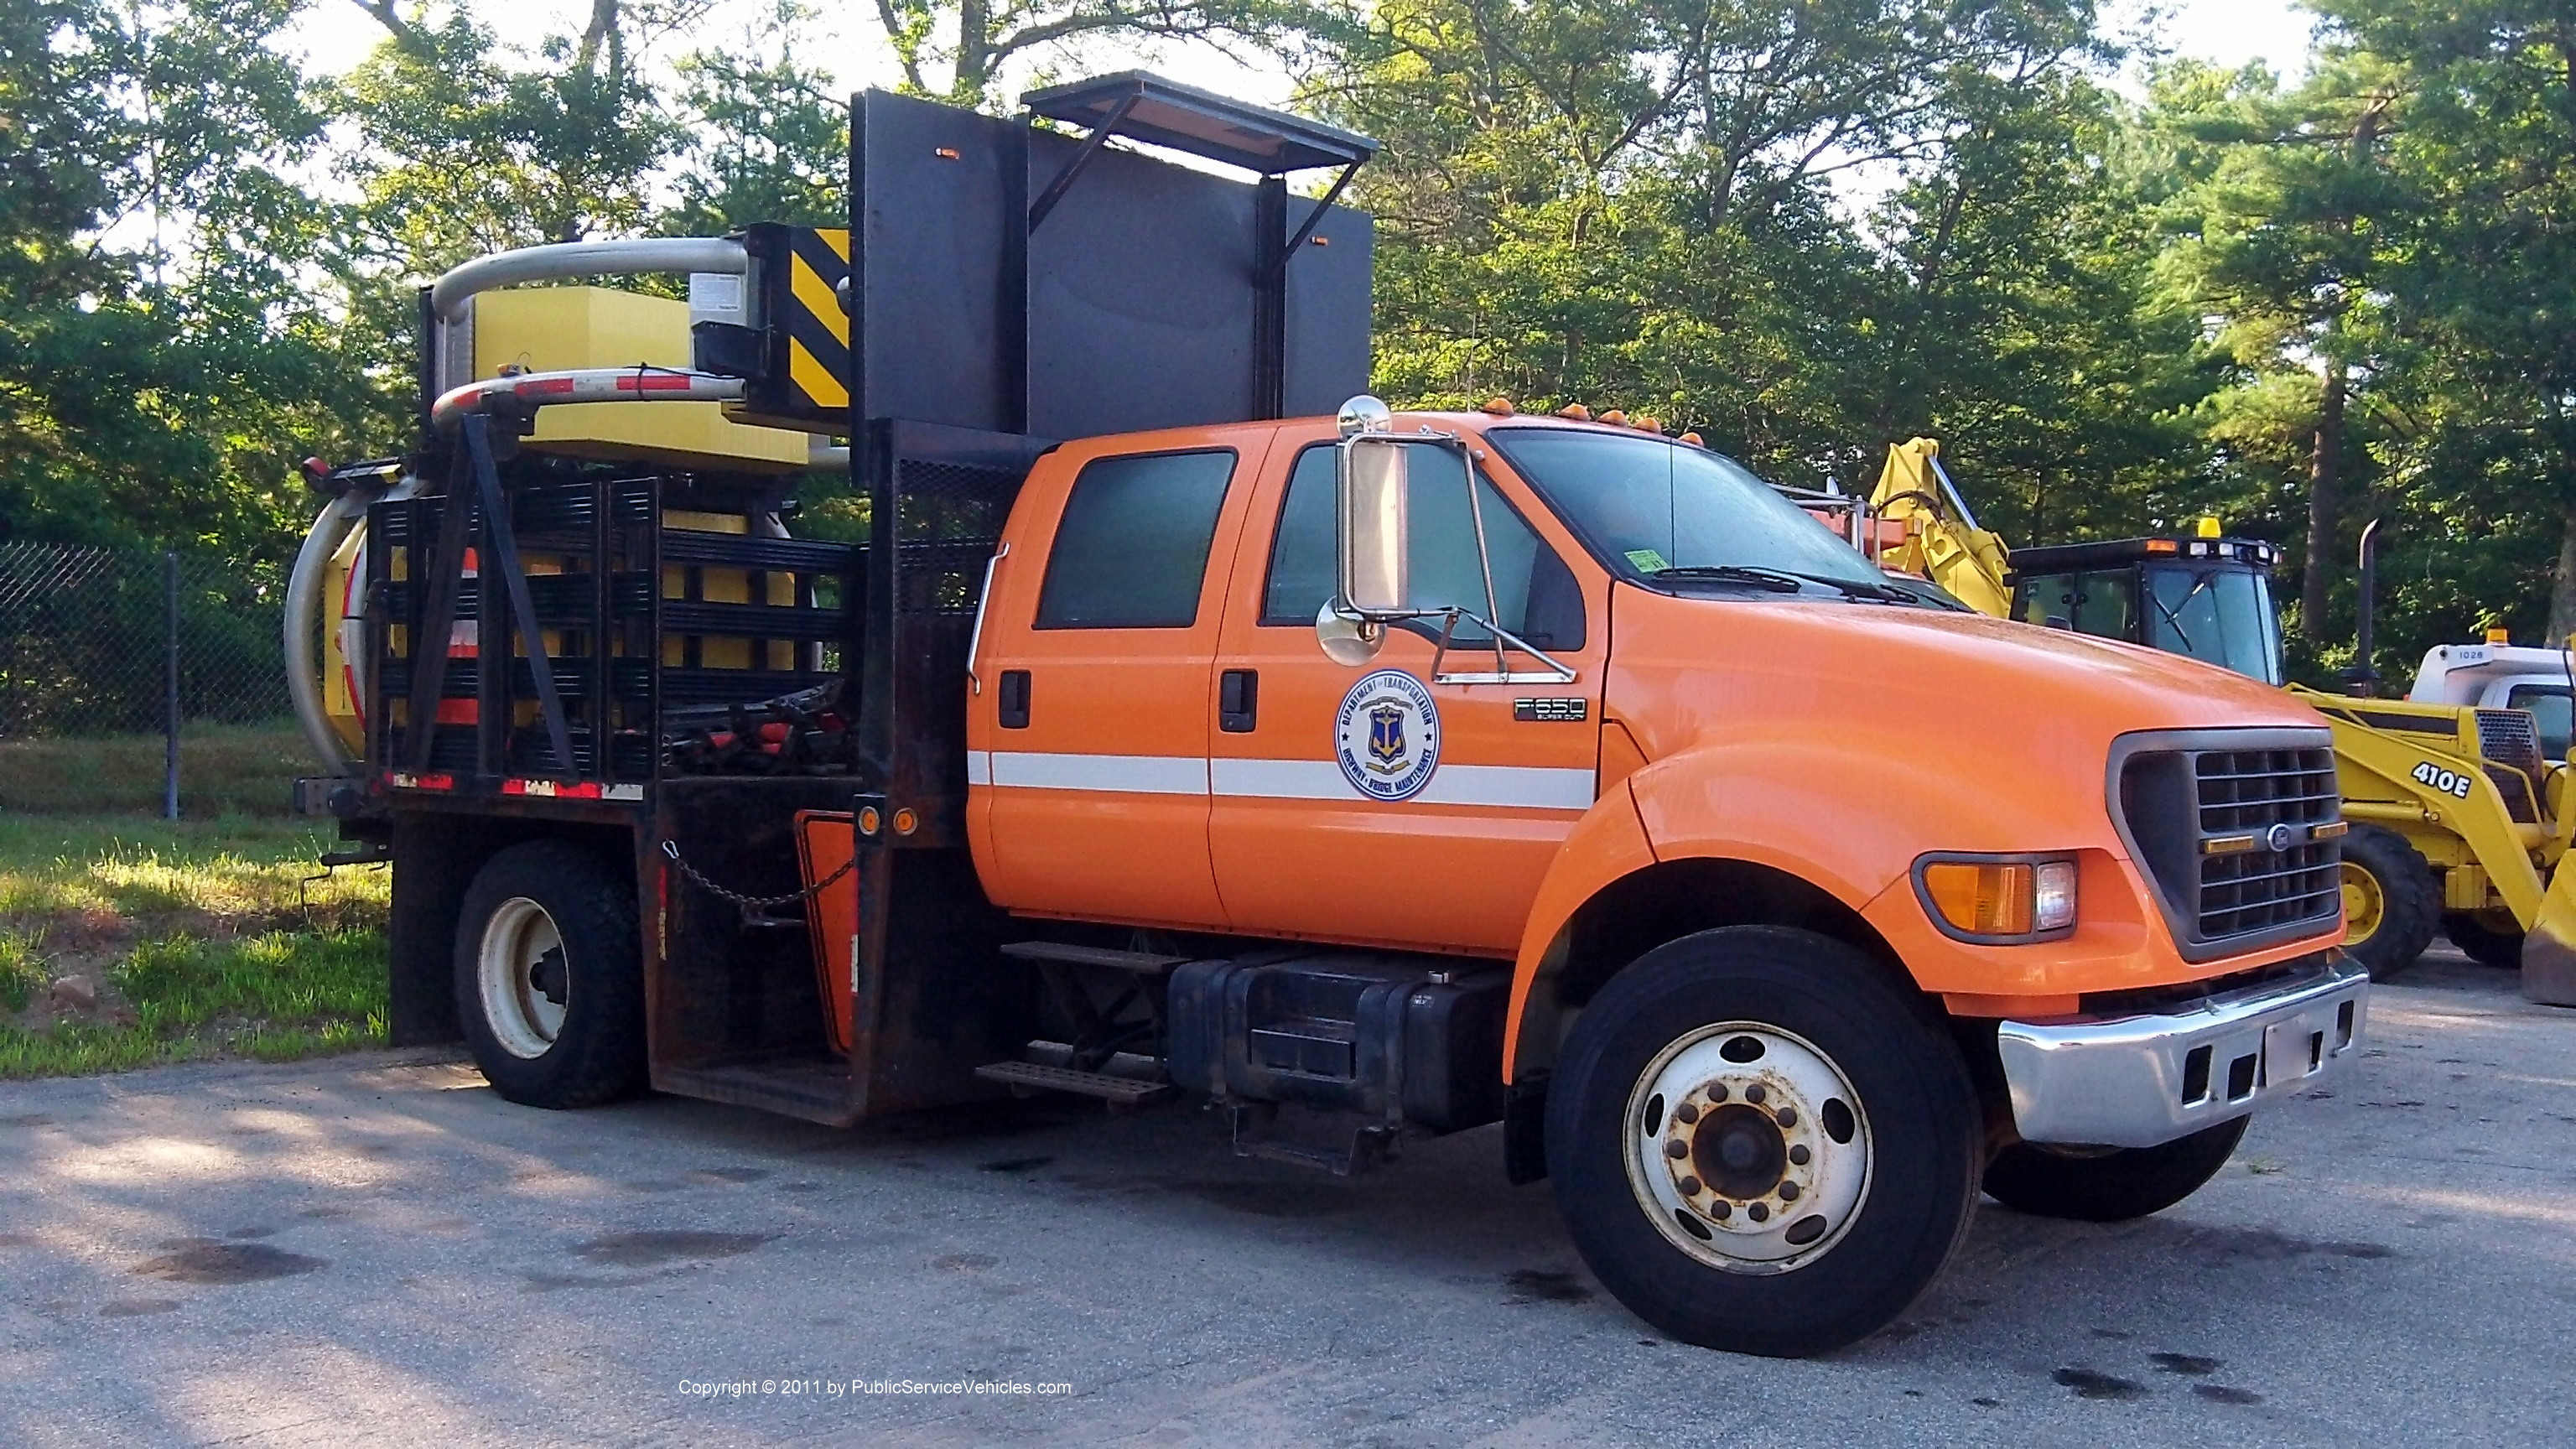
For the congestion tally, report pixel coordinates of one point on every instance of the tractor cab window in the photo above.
(2549, 704)
(2100, 602)
(2221, 616)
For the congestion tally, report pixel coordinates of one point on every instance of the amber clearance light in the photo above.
(1999, 899)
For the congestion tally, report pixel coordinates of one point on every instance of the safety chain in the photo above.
(749, 904)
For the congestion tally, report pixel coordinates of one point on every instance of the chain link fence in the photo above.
(101, 643)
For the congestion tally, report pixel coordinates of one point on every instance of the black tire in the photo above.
(2483, 943)
(2113, 1186)
(2402, 904)
(1920, 1129)
(596, 1053)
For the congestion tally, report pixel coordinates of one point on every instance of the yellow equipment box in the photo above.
(551, 329)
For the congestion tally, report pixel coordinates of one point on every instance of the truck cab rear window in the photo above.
(1132, 549)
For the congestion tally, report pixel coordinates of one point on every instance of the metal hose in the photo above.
(303, 604)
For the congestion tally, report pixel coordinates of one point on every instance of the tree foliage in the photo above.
(1806, 231)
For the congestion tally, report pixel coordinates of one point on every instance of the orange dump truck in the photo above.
(1366, 776)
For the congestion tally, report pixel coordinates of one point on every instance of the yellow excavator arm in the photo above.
(1942, 540)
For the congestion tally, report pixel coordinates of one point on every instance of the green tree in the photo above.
(2284, 240)
(165, 351)
(768, 137)
(972, 41)
(2482, 281)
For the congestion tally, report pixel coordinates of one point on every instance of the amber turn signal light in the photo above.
(2001, 899)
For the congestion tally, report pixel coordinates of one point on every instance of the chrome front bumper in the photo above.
(2138, 1081)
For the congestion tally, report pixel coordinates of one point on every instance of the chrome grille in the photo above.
(2178, 796)
(2247, 792)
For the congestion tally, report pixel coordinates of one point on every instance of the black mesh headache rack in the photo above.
(678, 677)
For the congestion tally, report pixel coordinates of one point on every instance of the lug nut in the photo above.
(1788, 1192)
(1689, 1186)
(1686, 1114)
(1799, 1154)
(1785, 1117)
(1759, 1213)
(1754, 1094)
(1677, 1150)
(1717, 1091)
(1722, 1209)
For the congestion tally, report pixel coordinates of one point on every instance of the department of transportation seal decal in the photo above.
(1387, 736)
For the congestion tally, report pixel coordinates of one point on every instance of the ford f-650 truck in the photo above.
(1361, 775)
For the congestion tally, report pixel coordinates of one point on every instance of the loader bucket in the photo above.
(2549, 949)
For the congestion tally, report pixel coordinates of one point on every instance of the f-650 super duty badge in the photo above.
(1387, 736)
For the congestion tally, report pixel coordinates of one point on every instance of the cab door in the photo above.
(1368, 803)
(1087, 732)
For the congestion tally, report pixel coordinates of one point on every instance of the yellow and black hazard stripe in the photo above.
(804, 379)
(818, 330)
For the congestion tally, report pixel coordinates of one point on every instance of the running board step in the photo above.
(1117, 1091)
(1251, 1124)
(1143, 963)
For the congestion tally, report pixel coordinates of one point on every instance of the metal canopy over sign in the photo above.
(1202, 123)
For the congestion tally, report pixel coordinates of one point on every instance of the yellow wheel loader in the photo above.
(2459, 812)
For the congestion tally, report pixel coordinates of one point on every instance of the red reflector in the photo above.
(459, 712)
(544, 387)
(655, 382)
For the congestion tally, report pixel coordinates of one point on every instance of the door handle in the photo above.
(1015, 699)
(1238, 701)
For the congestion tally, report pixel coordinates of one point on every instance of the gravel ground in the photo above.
(375, 1249)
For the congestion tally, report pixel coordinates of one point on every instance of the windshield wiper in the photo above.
(1778, 581)
(1790, 581)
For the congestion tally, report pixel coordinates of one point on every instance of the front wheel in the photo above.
(549, 981)
(1761, 1144)
(2390, 904)
(2109, 1185)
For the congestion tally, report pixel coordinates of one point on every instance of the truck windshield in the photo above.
(1676, 514)
(2549, 705)
(2222, 616)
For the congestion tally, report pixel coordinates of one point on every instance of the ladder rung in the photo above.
(1143, 963)
(1126, 1091)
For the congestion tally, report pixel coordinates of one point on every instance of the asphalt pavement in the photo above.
(377, 1250)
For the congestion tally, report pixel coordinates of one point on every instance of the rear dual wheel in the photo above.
(1761, 1144)
(549, 979)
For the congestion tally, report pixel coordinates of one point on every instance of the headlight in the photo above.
(1994, 899)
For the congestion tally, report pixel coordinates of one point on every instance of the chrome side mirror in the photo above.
(1373, 527)
(1369, 534)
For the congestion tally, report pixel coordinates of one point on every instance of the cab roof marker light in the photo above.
(1576, 412)
(1500, 407)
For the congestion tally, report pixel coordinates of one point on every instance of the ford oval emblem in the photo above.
(2279, 837)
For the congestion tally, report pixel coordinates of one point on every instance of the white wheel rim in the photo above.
(1774, 1148)
(516, 977)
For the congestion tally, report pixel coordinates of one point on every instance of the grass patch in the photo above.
(202, 939)
(223, 770)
